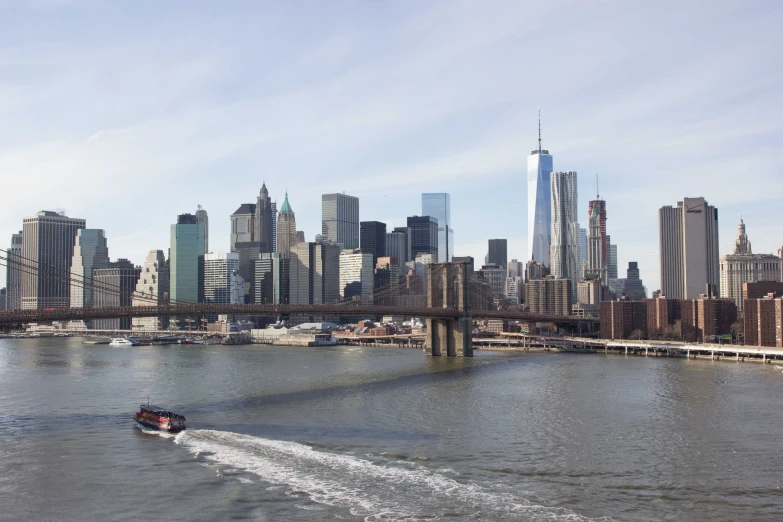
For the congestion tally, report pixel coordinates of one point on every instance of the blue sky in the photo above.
(129, 113)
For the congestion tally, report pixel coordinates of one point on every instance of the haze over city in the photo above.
(129, 114)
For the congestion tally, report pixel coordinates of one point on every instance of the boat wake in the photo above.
(159, 433)
(375, 490)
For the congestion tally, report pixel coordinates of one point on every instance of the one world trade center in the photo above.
(539, 206)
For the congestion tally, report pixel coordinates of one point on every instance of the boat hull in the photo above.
(158, 428)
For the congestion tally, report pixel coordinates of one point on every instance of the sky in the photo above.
(129, 113)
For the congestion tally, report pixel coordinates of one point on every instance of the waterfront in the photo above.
(384, 433)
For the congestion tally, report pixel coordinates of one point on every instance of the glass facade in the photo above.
(438, 205)
(539, 210)
(564, 250)
(187, 260)
(340, 219)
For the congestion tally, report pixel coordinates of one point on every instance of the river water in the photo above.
(279, 433)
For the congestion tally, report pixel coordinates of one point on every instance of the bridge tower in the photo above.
(448, 286)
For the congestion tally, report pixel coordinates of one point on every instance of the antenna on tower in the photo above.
(597, 192)
(539, 130)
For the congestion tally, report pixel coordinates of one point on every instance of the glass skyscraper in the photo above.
(565, 255)
(539, 210)
(340, 220)
(438, 205)
(187, 260)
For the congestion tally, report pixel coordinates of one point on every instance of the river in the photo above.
(347, 433)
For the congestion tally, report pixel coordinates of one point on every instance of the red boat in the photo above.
(159, 418)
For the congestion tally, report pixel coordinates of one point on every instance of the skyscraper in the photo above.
(203, 218)
(564, 252)
(274, 225)
(438, 205)
(286, 229)
(340, 220)
(539, 210)
(398, 246)
(633, 289)
(743, 266)
(424, 235)
(187, 260)
(272, 278)
(315, 273)
(689, 249)
(114, 286)
(497, 253)
(152, 289)
(13, 273)
(598, 243)
(47, 252)
(222, 282)
(611, 265)
(89, 252)
(373, 239)
(582, 252)
(263, 220)
(356, 276)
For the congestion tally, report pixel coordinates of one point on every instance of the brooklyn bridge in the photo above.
(449, 298)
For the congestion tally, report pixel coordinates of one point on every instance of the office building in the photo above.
(590, 292)
(689, 249)
(582, 252)
(743, 266)
(47, 253)
(187, 260)
(272, 278)
(539, 203)
(286, 229)
(467, 260)
(598, 243)
(13, 273)
(495, 275)
(535, 270)
(222, 282)
(516, 268)
(243, 226)
(438, 205)
(514, 289)
(114, 286)
(373, 239)
(398, 245)
(3, 299)
(611, 265)
(424, 235)
(264, 221)
(564, 250)
(89, 252)
(274, 225)
(549, 296)
(340, 220)
(763, 320)
(497, 253)
(203, 218)
(315, 273)
(357, 271)
(152, 289)
(633, 289)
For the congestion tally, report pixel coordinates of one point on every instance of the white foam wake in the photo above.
(374, 491)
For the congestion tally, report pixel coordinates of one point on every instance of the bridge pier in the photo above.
(447, 287)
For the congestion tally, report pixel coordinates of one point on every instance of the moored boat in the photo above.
(159, 418)
(123, 341)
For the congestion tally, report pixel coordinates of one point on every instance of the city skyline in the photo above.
(386, 146)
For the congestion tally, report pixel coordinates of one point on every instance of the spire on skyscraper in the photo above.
(539, 130)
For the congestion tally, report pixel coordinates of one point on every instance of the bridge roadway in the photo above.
(275, 310)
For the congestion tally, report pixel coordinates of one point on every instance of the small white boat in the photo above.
(123, 341)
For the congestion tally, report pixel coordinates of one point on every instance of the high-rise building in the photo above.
(424, 235)
(300, 236)
(89, 252)
(516, 268)
(243, 226)
(340, 220)
(373, 239)
(13, 273)
(743, 266)
(497, 253)
(272, 277)
(286, 229)
(495, 275)
(706, 318)
(47, 252)
(438, 205)
(623, 319)
(598, 243)
(222, 282)
(203, 218)
(187, 260)
(564, 250)
(387, 280)
(582, 252)
(515, 289)
(611, 266)
(3, 298)
(152, 289)
(535, 270)
(398, 246)
(539, 202)
(689, 249)
(549, 296)
(763, 320)
(315, 273)
(356, 276)
(264, 221)
(274, 225)
(633, 288)
(114, 286)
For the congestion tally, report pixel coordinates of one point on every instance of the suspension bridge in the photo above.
(449, 298)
